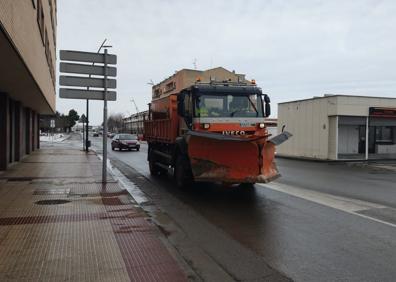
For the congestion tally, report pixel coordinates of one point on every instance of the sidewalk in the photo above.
(56, 138)
(59, 223)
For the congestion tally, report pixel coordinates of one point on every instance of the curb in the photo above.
(144, 203)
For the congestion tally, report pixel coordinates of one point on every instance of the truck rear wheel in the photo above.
(183, 174)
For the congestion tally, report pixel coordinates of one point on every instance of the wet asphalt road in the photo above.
(305, 240)
(352, 181)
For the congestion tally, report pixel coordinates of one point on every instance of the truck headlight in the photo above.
(261, 125)
(206, 125)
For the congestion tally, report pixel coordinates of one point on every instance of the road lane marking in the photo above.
(351, 206)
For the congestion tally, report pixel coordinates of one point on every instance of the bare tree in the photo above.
(115, 122)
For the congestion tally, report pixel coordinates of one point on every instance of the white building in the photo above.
(339, 127)
(272, 126)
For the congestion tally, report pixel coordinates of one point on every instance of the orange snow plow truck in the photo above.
(212, 132)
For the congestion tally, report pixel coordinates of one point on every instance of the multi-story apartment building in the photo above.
(135, 123)
(27, 74)
(187, 77)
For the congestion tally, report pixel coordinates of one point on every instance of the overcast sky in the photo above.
(294, 49)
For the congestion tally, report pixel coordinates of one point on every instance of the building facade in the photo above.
(135, 123)
(187, 77)
(27, 74)
(272, 126)
(339, 127)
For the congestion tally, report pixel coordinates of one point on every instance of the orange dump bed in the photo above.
(160, 130)
(163, 122)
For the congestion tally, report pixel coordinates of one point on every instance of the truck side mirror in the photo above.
(180, 104)
(267, 107)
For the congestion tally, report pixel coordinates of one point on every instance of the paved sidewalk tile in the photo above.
(59, 223)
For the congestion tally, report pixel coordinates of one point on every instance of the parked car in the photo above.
(125, 141)
(95, 134)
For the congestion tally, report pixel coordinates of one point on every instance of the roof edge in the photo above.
(327, 96)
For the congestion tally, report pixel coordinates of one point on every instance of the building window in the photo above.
(48, 55)
(52, 22)
(157, 92)
(170, 86)
(384, 134)
(40, 20)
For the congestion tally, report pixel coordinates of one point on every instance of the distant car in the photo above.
(125, 141)
(95, 134)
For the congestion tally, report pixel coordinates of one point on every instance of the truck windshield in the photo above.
(228, 106)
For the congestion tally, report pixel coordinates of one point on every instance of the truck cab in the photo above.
(228, 109)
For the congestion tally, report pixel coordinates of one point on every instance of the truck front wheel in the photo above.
(183, 175)
(247, 185)
(155, 170)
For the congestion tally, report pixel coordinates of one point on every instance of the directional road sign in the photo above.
(96, 82)
(77, 65)
(78, 56)
(86, 94)
(86, 82)
(87, 69)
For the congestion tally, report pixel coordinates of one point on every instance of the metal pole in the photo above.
(83, 135)
(86, 133)
(367, 139)
(87, 136)
(104, 168)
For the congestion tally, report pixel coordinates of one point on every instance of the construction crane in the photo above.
(137, 116)
(136, 108)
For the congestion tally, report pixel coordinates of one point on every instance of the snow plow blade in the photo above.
(233, 159)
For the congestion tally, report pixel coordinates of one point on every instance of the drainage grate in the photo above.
(52, 202)
(74, 195)
(60, 191)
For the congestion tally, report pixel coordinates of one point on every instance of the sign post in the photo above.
(86, 133)
(52, 125)
(83, 135)
(85, 83)
(104, 167)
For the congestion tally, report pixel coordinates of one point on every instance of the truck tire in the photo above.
(154, 169)
(247, 185)
(183, 174)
